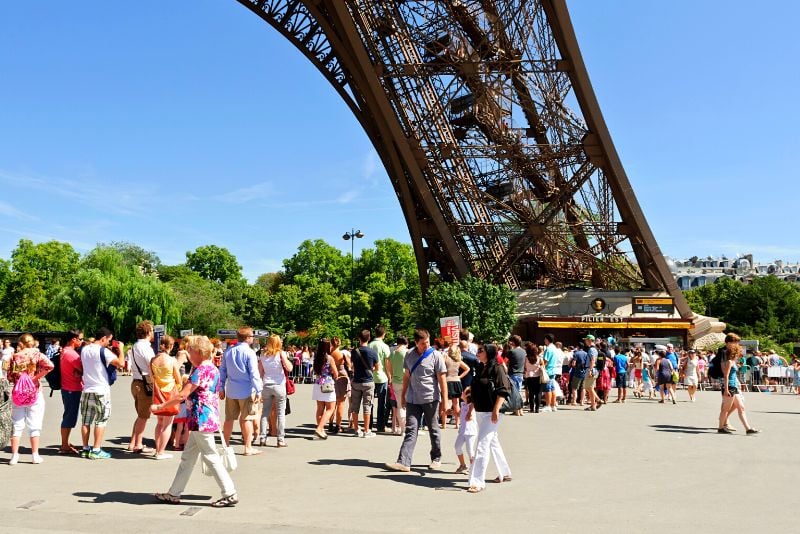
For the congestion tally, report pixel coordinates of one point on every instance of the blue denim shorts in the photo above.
(551, 386)
(72, 405)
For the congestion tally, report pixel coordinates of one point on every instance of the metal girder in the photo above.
(485, 119)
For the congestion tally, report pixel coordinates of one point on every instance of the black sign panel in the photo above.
(653, 305)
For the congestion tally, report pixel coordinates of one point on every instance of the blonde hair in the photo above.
(201, 344)
(26, 341)
(454, 352)
(274, 345)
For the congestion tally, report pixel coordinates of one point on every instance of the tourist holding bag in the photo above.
(203, 422)
(166, 374)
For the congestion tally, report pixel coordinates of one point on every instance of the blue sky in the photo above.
(173, 128)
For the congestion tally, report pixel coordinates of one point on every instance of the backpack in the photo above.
(25, 392)
(111, 370)
(54, 377)
(715, 365)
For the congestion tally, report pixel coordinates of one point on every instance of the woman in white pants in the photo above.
(28, 360)
(489, 388)
(203, 424)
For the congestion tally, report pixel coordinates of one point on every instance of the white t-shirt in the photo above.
(273, 370)
(141, 355)
(559, 361)
(95, 376)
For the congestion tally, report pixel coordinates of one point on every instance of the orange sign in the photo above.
(450, 327)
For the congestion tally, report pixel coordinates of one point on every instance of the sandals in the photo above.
(167, 498)
(498, 480)
(474, 489)
(226, 502)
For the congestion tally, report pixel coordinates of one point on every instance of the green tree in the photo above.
(147, 261)
(214, 263)
(202, 304)
(107, 291)
(317, 262)
(488, 310)
(38, 273)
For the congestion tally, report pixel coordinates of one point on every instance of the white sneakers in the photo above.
(37, 459)
(436, 465)
(14, 459)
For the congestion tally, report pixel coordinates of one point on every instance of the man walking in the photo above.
(380, 378)
(71, 388)
(580, 363)
(365, 362)
(551, 360)
(96, 358)
(240, 388)
(424, 387)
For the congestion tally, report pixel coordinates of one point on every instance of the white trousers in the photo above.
(466, 441)
(201, 445)
(30, 416)
(487, 443)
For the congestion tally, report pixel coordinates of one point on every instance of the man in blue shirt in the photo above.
(580, 364)
(672, 357)
(621, 367)
(365, 361)
(240, 388)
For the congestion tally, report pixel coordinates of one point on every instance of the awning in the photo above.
(675, 325)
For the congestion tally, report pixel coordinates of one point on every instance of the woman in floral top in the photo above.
(203, 424)
(28, 360)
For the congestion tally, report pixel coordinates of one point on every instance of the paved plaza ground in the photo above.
(636, 467)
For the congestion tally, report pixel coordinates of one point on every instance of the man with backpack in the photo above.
(99, 372)
(580, 363)
(365, 361)
(71, 385)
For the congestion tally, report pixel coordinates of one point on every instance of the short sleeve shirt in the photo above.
(550, 358)
(361, 374)
(423, 383)
(70, 362)
(204, 401)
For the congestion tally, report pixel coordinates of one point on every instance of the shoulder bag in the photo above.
(227, 456)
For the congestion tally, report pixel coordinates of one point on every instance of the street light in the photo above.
(351, 236)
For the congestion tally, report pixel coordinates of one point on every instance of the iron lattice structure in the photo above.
(485, 119)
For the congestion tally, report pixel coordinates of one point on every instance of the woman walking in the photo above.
(533, 375)
(664, 371)
(324, 390)
(489, 388)
(732, 399)
(690, 375)
(274, 365)
(166, 379)
(30, 365)
(203, 422)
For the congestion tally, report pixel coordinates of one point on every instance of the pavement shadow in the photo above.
(785, 413)
(423, 478)
(350, 462)
(684, 429)
(129, 497)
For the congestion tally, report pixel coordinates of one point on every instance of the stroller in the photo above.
(5, 413)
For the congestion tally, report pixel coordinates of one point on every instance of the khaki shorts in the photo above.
(588, 382)
(141, 400)
(361, 392)
(237, 408)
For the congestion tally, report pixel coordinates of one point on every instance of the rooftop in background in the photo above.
(697, 272)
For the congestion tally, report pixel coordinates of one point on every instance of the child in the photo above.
(647, 384)
(181, 434)
(467, 432)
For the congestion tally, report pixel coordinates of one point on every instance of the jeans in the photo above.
(414, 415)
(487, 443)
(381, 396)
(274, 393)
(201, 445)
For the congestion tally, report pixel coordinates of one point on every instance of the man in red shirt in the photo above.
(71, 388)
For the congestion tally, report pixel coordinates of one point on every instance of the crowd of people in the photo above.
(198, 389)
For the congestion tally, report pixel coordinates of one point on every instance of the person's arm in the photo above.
(119, 362)
(287, 365)
(465, 368)
(260, 369)
(443, 387)
(255, 379)
(726, 371)
(406, 378)
(176, 371)
(43, 366)
(332, 365)
(223, 377)
(187, 390)
(469, 412)
(387, 365)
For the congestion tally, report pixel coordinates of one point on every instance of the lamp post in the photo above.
(351, 236)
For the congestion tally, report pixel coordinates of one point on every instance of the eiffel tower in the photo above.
(485, 119)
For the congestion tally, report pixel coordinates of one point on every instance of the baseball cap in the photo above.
(590, 337)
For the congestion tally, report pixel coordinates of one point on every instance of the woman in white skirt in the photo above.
(324, 390)
(691, 378)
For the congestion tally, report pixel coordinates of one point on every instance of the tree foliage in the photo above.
(214, 263)
(766, 308)
(488, 310)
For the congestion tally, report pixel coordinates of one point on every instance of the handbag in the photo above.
(159, 397)
(227, 456)
(545, 378)
(327, 385)
(290, 387)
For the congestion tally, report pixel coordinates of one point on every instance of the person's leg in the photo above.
(319, 417)
(401, 412)
(368, 399)
(356, 397)
(280, 422)
(486, 429)
(536, 390)
(496, 449)
(18, 425)
(413, 420)
(188, 460)
(738, 403)
(380, 398)
(430, 410)
(267, 396)
(163, 427)
(457, 411)
(724, 410)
